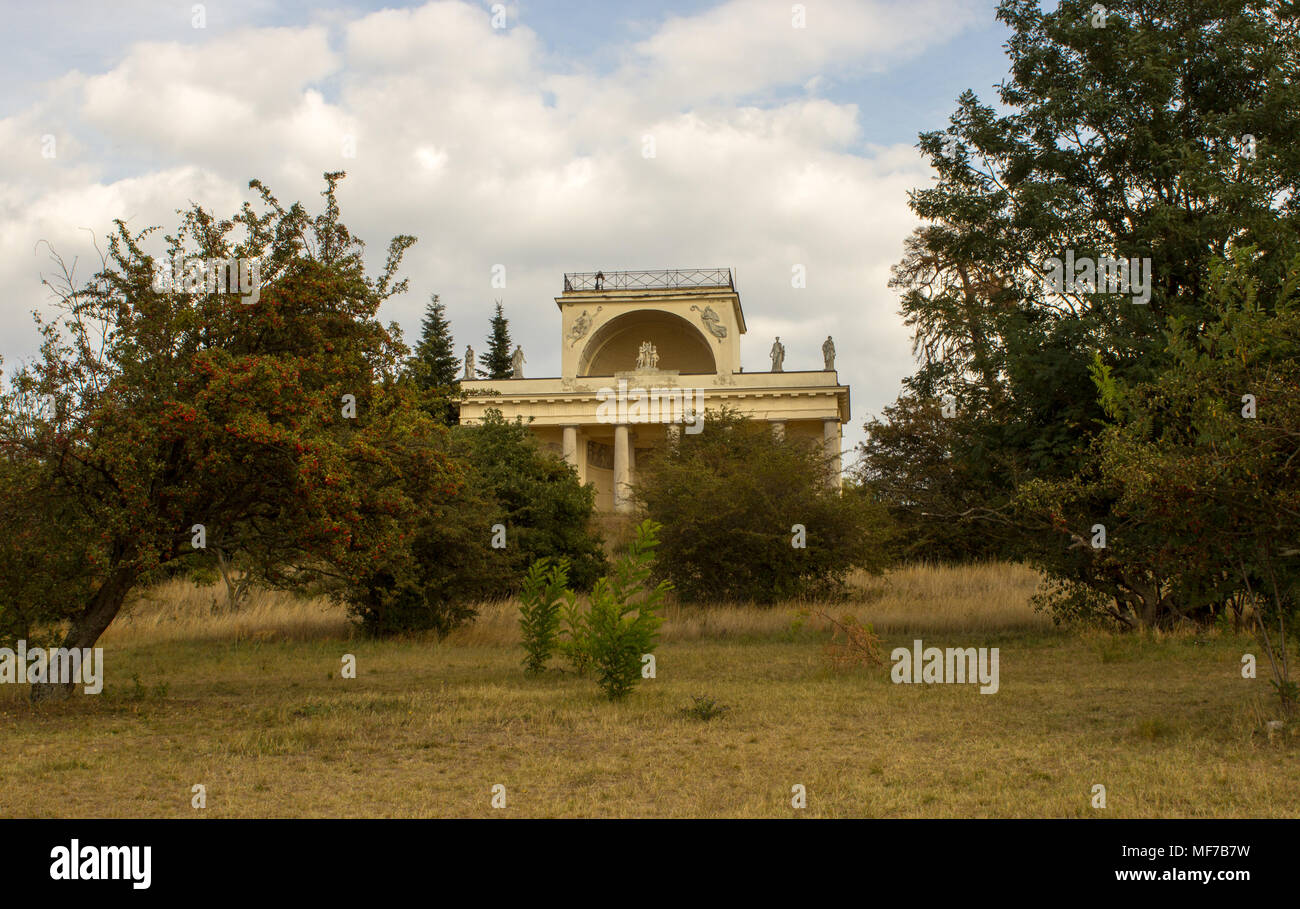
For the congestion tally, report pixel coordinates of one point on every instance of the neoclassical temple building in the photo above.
(644, 353)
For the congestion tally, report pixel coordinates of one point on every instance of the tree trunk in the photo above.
(87, 627)
(234, 589)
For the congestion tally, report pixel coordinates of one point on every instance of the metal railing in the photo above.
(625, 280)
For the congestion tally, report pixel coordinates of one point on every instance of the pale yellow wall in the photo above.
(761, 395)
(670, 319)
(614, 346)
(600, 477)
(604, 307)
(805, 429)
(548, 437)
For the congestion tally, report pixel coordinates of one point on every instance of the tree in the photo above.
(536, 496)
(541, 598)
(615, 635)
(441, 564)
(937, 502)
(1168, 136)
(747, 516)
(623, 622)
(435, 367)
(436, 350)
(1202, 464)
(161, 418)
(497, 362)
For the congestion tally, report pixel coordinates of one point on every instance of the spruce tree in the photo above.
(434, 367)
(496, 362)
(435, 364)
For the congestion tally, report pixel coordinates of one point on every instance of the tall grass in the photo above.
(180, 610)
(981, 598)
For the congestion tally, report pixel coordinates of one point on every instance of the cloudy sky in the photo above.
(523, 145)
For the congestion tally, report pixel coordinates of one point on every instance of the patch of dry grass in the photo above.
(264, 721)
(976, 598)
(178, 610)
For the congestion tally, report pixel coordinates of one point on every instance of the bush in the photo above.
(705, 707)
(623, 621)
(501, 476)
(576, 645)
(543, 593)
(443, 564)
(548, 514)
(619, 629)
(729, 499)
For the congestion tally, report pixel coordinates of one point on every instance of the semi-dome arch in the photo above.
(613, 347)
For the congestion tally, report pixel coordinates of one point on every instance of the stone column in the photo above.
(570, 446)
(622, 471)
(778, 430)
(831, 439)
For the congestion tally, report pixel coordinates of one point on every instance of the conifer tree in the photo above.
(435, 367)
(435, 362)
(496, 362)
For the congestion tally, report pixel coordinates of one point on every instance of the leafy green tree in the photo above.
(442, 563)
(907, 464)
(575, 645)
(1202, 469)
(547, 512)
(544, 592)
(158, 417)
(729, 499)
(1168, 135)
(623, 623)
(496, 361)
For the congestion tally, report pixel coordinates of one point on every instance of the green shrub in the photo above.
(729, 499)
(537, 496)
(703, 707)
(544, 590)
(623, 622)
(612, 636)
(576, 645)
(435, 581)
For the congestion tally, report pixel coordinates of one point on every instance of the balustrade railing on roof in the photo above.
(634, 280)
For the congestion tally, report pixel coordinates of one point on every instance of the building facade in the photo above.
(644, 354)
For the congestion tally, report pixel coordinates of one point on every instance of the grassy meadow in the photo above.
(253, 707)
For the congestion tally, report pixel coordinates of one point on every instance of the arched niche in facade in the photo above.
(613, 347)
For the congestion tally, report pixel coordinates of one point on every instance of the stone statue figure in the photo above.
(711, 321)
(828, 354)
(470, 371)
(647, 357)
(581, 326)
(517, 361)
(778, 355)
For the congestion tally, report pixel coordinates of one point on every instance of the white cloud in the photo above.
(746, 46)
(472, 139)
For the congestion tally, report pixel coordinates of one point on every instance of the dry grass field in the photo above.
(253, 707)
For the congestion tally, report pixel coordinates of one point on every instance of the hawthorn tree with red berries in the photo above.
(277, 429)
